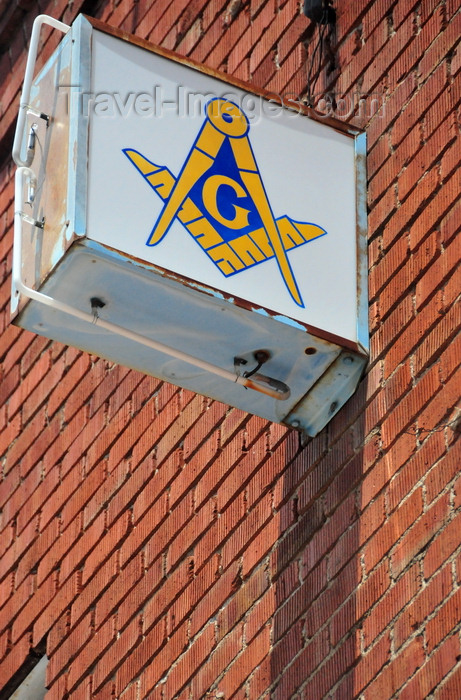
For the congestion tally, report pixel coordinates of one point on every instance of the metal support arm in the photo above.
(24, 105)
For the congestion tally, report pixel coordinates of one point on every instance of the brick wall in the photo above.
(160, 545)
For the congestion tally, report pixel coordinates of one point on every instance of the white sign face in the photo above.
(222, 187)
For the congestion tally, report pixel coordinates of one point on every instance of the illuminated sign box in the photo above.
(184, 224)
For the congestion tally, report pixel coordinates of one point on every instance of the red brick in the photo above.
(14, 659)
(450, 289)
(116, 595)
(395, 598)
(117, 653)
(393, 528)
(131, 693)
(219, 469)
(443, 472)
(332, 598)
(94, 647)
(10, 383)
(311, 656)
(220, 658)
(268, 471)
(28, 384)
(296, 538)
(15, 601)
(148, 649)
(110, 484)
(358, 605)
(132, 448)
(90, 539)
(267, 538)
(440, 48)
(13, 548)
(388, 331)
(437, 340)
(437, 273)
(333, 669)
(143, 486)
(428, 599)
(245, 663)
(50, 445)
(145, 526)
(58, 690)
(395, 674)
(41, 494)
(451, 687)
(169, 530)
(108, 543)
(247, 595)
(57, 632)
(411, 404)
(197, 653)
(433, 150)
(20, 443)
(372, 518)
(76, 481)
(414, 469)
(123, 447)
(182, 424)
(34, 350)
(331, 530)
(42, 596)
(424, 34)
(442, 547)
(58, 550)
(407, 343)
(18, 496)
(419, 104)
(69, 649)
(409, 210)
(61, 601)
(192, 471)
(394, 167)
(191, 589)
(419, 535)
(434, 671)
(322, 473)
(368, 668)
(86, 441)
(217, 594)
(442, 405)
(351, 474)
(93, 589)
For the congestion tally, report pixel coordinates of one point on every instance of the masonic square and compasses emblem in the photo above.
(220, 198)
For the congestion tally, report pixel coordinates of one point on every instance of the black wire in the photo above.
(319, 45)
(253, 371)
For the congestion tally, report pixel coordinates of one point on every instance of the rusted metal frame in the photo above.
(361, 242)
(24, 105)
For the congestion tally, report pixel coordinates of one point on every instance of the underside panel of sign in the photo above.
(163, 308)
